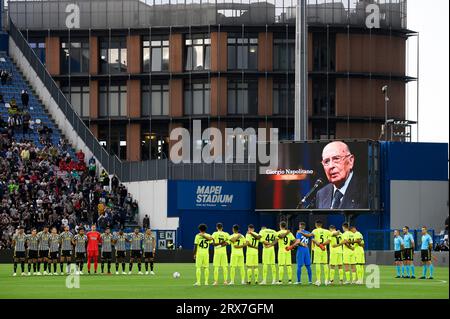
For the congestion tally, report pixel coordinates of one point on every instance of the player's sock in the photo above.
(225, 273)
(398, 270)
(332, 272)
(29, 267)
(299, 273)
(117, 267)
(265, 270)
(68, 267)
(151, 266)
(102, 266)
(139, 266)
(35, 267)
(206, 274)
(318, 272)
(38, 267)
(198, 274)
(289, 272)
(403, 270)
(216, 273)
(130, 267)
(274, 272)
(15, 267)
(431, 270)
(55, 267)
(45, 266)
(424, 270)
(249, 274)
(309, 270)
(109, 267)
(61, 267)
(232, 273)
(22, 266)
(341, 274)
(123, 267)
(146, 266)
(280, 273)
(81, 266)
(256, 274)
(407, 270)
(354, 275)
(361, 273)
(95, 263)
(326, 272)
(413, 270)
(242, 273)
(89, 264)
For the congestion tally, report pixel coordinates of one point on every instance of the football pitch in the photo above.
(164, 286)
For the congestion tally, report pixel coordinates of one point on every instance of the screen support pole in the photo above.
(301, 73)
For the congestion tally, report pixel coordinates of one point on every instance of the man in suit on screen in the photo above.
(345, 190)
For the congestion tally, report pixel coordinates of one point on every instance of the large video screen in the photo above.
(323, 176)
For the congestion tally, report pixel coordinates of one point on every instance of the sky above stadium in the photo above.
(431, 20)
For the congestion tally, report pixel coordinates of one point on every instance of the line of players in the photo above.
(404, 254)
(50, 248)
(331, 250)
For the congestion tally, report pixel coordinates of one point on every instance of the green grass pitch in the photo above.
(164, 286)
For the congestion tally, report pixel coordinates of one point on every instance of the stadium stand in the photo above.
(42, 179)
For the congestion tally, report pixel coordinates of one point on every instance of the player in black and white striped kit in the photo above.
(66, 249)
(33, 246)
(136, 250)
(44, 248)
(55, 241)
(107, 239)
(149, 248)
(18, 242)
(120, 240)
(80, 242)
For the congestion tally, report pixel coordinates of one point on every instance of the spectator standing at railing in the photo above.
(146, 222)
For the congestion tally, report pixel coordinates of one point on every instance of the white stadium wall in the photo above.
(417, 203)
(152, 200)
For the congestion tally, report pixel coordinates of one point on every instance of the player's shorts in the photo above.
(303, 257)
(284, 258)
(53, 255)
(43, 253)
(32, 254)
(252, 260)
(398, 255)
(92, 253)
(202, 260)
(408, 253)
(319, 257)
(268, 256)
(66, 253)
(348, 258)
(336, 259)
(136, 254)
(237, 261)
(120, 253)
(425, 254)
(220, 259)
(360, 258)
(19, 254)
(80, 256)
(106, 255)
(148, 255)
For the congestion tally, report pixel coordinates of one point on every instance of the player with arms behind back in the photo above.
(238, 243)
(80, 242)
(149, 248)
(285, 238)
(18, 242)
(408, 241)
(66, 249)
(303, 256)
(268, 238)
(336, 252)
(55, 242)
(252, 254)
(348, 256)
(320, 255)
(427, 246)
(398, 252)
(201, 254)
(220, 258)
(360, 259)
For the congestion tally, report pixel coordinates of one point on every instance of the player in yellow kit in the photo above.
(348, 256)
(220, 253)
(360, 259)
(268, 237)
(238, 243)
(336, 252)
(201, 254)
(285, 238)
(320, 255)
(252, 254)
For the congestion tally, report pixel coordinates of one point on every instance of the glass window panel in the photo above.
(189, 58)
(156, 59)
(145, 102)
(86, 104)
(197, 102)
(207, 58)
(166, 102)
(198, 58)
(165, 59)
(123, 103)
(76, 102)
(103, 101)
(156, 102)
(113, 103)
(207, 101)
(187, 102)
(146, 59)
(124, 60)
